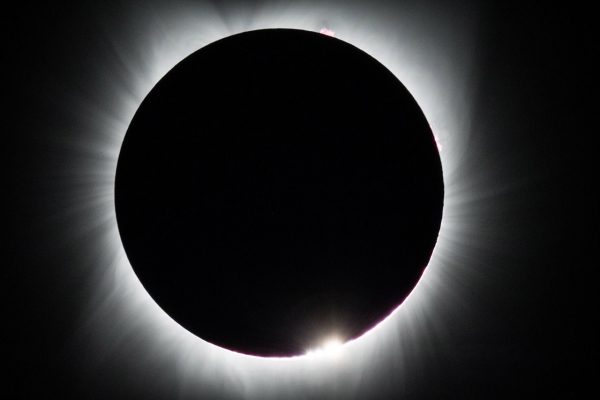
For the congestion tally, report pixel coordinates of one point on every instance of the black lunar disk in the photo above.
(278, 187)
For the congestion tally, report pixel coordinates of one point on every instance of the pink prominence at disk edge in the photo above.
(326, 31)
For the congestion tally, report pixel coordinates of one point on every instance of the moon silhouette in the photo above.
(277, 187)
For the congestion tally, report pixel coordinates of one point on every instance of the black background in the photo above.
(528, 332)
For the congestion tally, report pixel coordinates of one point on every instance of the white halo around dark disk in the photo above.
(428, 52)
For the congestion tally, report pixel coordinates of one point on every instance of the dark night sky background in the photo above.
(527, 329)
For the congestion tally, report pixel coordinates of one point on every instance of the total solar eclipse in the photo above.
(277, 187)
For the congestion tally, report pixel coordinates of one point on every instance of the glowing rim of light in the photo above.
(162, 323)
(331, 345)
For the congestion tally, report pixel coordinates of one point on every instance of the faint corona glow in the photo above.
(423, 57)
